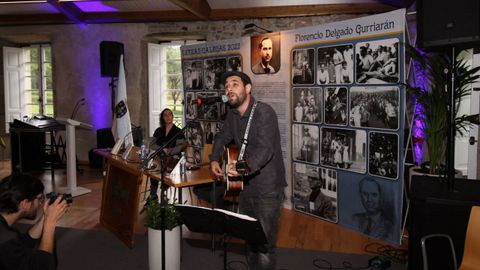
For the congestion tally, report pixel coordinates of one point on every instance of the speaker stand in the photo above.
(112, 88)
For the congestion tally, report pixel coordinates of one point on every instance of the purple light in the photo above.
(94, 6)
(418, 136)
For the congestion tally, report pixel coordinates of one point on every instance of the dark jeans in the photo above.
(265, 208)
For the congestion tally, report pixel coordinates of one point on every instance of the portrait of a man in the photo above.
(374, 221)
(265, 54)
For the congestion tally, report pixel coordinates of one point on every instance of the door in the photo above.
(14, 84)
(473, 146)
(155, 66)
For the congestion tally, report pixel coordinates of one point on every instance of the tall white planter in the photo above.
(172, 249)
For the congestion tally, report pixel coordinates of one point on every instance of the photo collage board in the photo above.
(347, 123)
(343, 124)
(204, 113)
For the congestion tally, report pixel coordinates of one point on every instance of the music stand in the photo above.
(222, 222)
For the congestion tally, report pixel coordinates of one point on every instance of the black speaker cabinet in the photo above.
(434, 209)
(110, 52)
(444, 23)
(105, 138)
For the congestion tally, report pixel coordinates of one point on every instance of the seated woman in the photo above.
(164, 134)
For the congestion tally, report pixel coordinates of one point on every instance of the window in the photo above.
(28, 82)
(173, 92)
(38, 81)
(165, 81)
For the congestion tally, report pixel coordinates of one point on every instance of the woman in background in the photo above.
(163, 134)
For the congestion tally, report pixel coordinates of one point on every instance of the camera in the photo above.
(52, 196)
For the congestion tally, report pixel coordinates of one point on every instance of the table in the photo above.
(121, 192)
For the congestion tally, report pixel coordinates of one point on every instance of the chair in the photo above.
(470, 260)
(471, 257)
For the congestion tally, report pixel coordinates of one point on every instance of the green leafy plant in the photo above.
(434, 100)
(154, 217)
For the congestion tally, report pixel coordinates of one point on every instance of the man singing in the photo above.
(264, 175)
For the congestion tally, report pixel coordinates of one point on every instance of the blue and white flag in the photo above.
(122, 128)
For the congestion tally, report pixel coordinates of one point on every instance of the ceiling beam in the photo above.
(183, 15)
(199, 8)
(69, 9)
(297, 11)
(131, 17)
(31, 19)
(9, 2)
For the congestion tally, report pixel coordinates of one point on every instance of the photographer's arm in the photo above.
(35, 231)
(52, 213)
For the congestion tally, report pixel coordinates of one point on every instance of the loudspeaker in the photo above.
(443, 23)
(105, 138)
(110, 52)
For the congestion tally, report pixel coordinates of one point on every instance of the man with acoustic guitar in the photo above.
(260, 166)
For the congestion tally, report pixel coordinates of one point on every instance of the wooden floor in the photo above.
(296, 230)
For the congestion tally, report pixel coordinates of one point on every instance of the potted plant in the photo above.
(433, 100)
(171, 226)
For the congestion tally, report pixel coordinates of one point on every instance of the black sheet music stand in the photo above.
(222, 222)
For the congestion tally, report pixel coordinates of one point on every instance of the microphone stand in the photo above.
(163, 186)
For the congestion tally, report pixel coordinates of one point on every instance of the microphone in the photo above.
(212, 100)
(79, 103)
(473, 119)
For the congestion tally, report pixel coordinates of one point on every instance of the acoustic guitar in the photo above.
(234, 184)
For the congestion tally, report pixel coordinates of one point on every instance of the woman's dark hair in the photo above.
(16, 188)
(162, 122)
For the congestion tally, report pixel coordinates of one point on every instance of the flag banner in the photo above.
(122, 128)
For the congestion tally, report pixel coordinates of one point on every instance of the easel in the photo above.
(222, 222)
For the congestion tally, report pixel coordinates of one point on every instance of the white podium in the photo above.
(72, 187)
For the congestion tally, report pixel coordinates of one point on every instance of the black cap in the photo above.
(245, 79)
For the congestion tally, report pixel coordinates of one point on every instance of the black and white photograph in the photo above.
(307, 104)
(377, 61)
(193, 75)
(375, 107)
(303, 61)
(383, 154)
(305, 143)
(376, 217)
(207, 111)
(234, 63)
(214, 69)
(194, 134)
(335, 65)
(197, 155)
(315, 191)
(344, 149)
(336, 105)
(209, 129)
(190, 105)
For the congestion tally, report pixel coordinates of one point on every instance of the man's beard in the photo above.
(31, 214)
(238, 100)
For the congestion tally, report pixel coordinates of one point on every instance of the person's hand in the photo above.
(166, 151)
(216, 169)
(54, 211)
(232, 169)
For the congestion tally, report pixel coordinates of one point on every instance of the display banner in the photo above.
(202, 66)
(343, 123)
